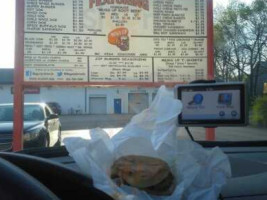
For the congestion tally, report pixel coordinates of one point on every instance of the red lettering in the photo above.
(98, 3)
(119, 1)
(91, 3)
(137, 3)
(146, 5)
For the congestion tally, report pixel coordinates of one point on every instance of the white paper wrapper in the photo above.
(200, 173)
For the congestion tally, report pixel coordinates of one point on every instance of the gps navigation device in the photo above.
(212, 104)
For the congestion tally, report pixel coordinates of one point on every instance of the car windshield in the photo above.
(97, 64)
(31, 113)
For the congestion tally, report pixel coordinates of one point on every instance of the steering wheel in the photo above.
(16, 184)
(29, 177)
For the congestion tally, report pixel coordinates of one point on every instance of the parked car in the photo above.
(55, 107)
(42, 127)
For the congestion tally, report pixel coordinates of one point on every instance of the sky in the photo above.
(7, 30)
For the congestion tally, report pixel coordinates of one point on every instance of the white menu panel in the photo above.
(115, 40)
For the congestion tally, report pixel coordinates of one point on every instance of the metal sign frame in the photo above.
(20, 84)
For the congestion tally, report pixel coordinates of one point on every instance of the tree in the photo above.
(240, 41)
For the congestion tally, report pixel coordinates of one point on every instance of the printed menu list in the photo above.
(115, 40)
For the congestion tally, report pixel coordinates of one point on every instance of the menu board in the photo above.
(115, 40)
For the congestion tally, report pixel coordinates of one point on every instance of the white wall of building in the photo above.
(68, 98)
(116, 93)
(5, 94)
(78, 98)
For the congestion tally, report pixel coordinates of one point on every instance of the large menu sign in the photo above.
(115, 40)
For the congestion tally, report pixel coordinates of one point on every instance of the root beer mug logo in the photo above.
(120, 38)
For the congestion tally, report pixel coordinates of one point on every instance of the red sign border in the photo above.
(19, 82)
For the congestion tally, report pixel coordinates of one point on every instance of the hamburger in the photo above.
(150, 174)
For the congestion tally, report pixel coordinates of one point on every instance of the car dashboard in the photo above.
(248, 164)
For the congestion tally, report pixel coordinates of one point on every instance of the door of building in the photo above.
(98, 105)
(117, 106)
(137, 102)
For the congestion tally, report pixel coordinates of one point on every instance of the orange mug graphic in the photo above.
(120, 38)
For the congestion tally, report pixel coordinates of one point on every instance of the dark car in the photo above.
(55, 107)
(42, 127)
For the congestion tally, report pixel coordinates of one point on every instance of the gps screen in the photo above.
(212, 104)
(205, 105)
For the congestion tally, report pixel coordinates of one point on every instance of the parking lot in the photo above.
(79, 126)
(79, 122)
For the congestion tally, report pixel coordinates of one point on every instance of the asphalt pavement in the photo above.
(80, 125)
(81, 122)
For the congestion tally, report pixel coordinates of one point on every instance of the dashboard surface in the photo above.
(248, 165)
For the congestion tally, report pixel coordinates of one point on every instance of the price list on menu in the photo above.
(115, 40)
(78, 16)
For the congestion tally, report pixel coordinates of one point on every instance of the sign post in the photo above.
(18, 78)
(110, 42)
(210, 132)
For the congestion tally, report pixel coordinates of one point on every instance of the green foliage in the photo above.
(240, 41)
(259, 116)
(245, 12)
(219, 39)
(259, 5)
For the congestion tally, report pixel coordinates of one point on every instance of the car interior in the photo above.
(53, 174)
(129, 51)
(58, 176)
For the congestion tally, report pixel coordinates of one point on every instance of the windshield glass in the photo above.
(94, 64)
(6, 113)
(31, 113)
